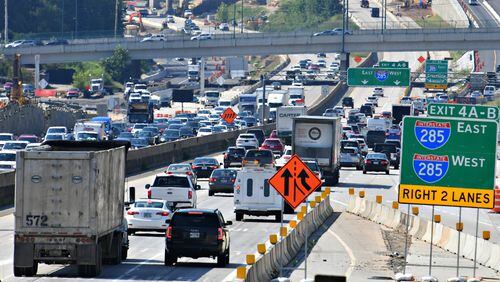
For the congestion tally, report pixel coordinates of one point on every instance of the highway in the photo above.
(486, 19)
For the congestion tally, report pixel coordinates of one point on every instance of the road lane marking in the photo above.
(138, 266)
(349, 252)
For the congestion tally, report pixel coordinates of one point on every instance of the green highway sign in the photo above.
(436, 74)
(463, 111)
(396, 65)
(378, 77)
(448, 162)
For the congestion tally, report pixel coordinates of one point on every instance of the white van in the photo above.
(377, 124)
(85, 130)
(253, 195)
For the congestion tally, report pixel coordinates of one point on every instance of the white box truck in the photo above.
(69, 206)
(318, 138)
(253, 195)
(296, 95)
(284, 119)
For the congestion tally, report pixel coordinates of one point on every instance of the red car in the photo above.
(72, 93)
(274, 134)
(273, 144)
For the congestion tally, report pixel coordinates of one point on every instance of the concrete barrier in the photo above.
(266, 266)
(488, 253)
(451, 12)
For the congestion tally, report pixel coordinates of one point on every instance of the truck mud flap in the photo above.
(23, 254)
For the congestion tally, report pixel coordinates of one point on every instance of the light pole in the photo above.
(116, 16)
(6, 23)
(62, 18)
(242, 16)
(76, 18)
(234, 20)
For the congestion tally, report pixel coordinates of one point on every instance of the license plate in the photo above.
(147, 215)
(224, 181)
(194, 235)
(375, 162)
(204, 168)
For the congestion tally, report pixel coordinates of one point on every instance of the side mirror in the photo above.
(147, 186)
(229, 222)
(197, 187)
(131, 194)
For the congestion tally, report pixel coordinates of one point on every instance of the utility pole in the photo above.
(234, 20)
(263, 81)
(344, 12)
(116, 17)
(6, 23)
(76, 18)
(62, 18)
(241, 16)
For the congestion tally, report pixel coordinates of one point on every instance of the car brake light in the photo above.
(189, 173)
(193, 166)
(211, 179)
(168, 234)
(132, 212)
(384, 162)
(170, 173)
(190, 194)
(220, 233)
(214, 166)
(368, 162)
(233, 180)
(163, 213)
(194, 212)
(149, 194)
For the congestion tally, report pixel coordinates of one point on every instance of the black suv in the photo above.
(260, 157)
(259, 133)
(348, 102)
(197, 233)
(391, 151)
(233, 155)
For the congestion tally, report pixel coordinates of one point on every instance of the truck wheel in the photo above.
(239, 216)
(277, 217)
(116, 250)
(364, 171)
(26, 271)
(92, 270)
(168, 259)
(396, 166)
(124, 253)
(387, 172)
(222, 259)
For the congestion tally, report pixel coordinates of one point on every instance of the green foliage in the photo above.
(302, 15)
(117, 66)
(222, 14)
(86, 71)
(5, 68)
(57, 17)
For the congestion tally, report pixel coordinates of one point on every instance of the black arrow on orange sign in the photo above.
(303, 176)
(286, 175)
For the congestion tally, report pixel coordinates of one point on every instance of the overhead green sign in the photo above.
(448, 161)
(397, 65)
(436, 74)
(463, 111)
(378, 77)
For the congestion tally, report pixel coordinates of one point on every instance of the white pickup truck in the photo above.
(178, 190)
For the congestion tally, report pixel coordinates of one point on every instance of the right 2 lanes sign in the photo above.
(448, 162)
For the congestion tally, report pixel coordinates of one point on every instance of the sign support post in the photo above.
(432, 238)
(406, 239)
(305, 243)
(475, 245)
(281, 239)
(459, 233)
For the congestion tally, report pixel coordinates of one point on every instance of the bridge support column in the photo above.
(202, 75)
(37, 72)
(344, 61)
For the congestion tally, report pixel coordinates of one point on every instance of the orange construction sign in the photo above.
(295, 181)
(229, 115)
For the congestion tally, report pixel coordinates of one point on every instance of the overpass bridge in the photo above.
(396, 40)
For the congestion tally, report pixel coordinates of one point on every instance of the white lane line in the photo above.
(349, 252)
(138, 266)
(340, 203)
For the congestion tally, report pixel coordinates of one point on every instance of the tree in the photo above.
(86, 71)
(118, 64)
(222, 13)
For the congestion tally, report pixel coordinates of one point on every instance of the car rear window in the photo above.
(347, 150)
(272, 142)
(181, 168)
(312, 166)
(205, 161)
(195, 219)
(171, 181)
(145, 204)
(224, 173)
(376, 156)
(259, 154)
(375, 133)
(237, 151)
(390, 148)
(247, 136)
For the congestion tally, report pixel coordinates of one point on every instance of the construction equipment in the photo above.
(16, 92)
